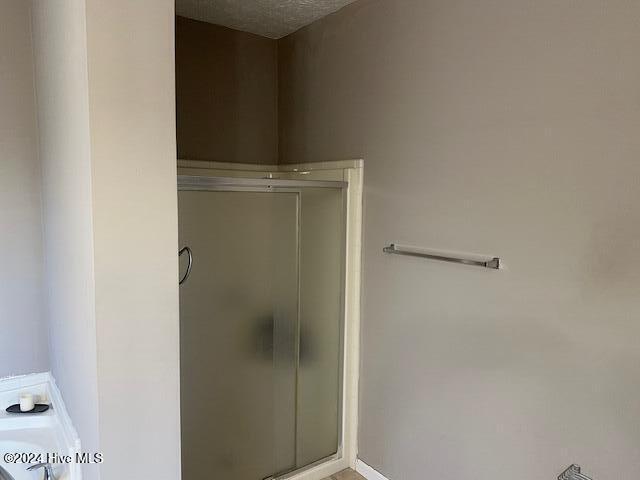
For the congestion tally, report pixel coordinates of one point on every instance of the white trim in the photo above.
(22, 381)
(320, 471)
(71, 436)
(350, 171)
(367, 472)
(354, 177)
(68, 429)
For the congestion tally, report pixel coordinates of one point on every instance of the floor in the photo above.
(347, 474)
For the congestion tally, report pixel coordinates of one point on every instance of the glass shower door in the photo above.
(239, 331)
(321, 314)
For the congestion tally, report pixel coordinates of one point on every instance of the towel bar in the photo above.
(493, 263)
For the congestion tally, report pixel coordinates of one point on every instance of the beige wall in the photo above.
(23, 340)
(105, 90)
(59, 33)
(500, 127)
(135, 228)
(226, 94)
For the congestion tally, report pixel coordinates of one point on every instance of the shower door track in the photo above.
(196, 182)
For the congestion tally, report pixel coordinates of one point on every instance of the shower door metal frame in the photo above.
(201, 182)
(278, 185)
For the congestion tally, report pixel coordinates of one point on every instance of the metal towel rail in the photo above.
(573, 473)
(493, 263)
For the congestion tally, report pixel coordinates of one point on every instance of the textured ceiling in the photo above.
(269, 18)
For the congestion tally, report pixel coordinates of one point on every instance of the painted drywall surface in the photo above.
(226, 94)
(135, 228)
(63, 122)
(109, 181)
(24, 341)
(500, 127)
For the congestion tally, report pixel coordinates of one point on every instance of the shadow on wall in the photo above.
(226, 94)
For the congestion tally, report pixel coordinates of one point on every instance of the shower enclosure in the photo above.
(261, 325)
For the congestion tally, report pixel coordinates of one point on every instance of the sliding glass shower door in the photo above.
(260, 317)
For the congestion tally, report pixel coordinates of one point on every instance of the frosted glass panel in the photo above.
(261, 330)
(238, 316)
(321, 316)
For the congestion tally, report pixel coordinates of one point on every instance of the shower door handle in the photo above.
(189, 265)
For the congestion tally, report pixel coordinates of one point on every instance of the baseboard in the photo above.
(367, 472)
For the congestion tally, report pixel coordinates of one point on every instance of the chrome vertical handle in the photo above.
(189, 265)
